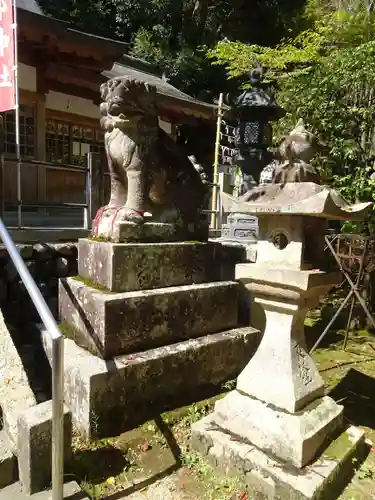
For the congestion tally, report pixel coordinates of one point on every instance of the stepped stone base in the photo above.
(269, 479)
(127, 232)
(109, 397)
(295, 438)
(110, 324)
(123, 267)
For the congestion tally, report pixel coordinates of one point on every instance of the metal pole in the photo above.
(17, 112)
(331, 322)
(357, 283)
(216, 164)
(352, 285)
(88, 185)
(57, 364)
(57, 418)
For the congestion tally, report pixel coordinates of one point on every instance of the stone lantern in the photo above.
(290, 440)
(252, 112)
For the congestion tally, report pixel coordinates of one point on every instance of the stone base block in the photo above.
(34, 448)
(7, 461)
(294, 438)
(126, 267)
(110, 324)
(269, 479)
(108, 397)
(126, 232)
(15, 391)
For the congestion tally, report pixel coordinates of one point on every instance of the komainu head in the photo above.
(299, 144)
(126, 98)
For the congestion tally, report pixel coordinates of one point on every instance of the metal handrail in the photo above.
(48, 164)
(20, 204)
(57, 363)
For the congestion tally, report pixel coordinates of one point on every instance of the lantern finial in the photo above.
(256, 74)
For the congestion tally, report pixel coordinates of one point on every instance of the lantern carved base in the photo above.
(277, 425)
(269, 479)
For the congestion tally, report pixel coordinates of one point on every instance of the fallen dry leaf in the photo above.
(145, 446)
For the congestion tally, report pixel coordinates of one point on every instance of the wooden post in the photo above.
(216, 165)
(40, 112)
(2, 150)
(96, 184)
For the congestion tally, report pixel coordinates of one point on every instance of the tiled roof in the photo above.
(139, 72)
(162, 86)
(30, 6)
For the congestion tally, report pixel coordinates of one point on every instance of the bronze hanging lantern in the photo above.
(253, 111)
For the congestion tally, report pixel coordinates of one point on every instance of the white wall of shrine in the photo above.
(68, 103)
(27, 77)
(72, 104)
(167, 127)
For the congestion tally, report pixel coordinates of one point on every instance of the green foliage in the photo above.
(174, 36)
(326, 75)
(170, 33)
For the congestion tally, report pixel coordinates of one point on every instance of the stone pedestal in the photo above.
(148, 232)
(278, 414)
(277, 428)
(148, 327)
(279, 308)
(125, 267)
(267, 477)
(110, 324)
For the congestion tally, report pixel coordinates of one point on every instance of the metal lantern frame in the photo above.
(252, 112)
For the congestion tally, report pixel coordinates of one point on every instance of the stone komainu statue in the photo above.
(296, 151)
(149, 173)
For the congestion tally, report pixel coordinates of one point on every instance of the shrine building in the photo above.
(59, 75)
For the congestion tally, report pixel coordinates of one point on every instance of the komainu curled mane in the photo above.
(149, 173)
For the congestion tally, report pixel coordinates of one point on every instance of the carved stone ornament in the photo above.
(149, 174)
(296, 151)
(279, 240)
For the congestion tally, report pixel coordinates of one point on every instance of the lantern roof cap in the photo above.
(259, 96)
(296, 198)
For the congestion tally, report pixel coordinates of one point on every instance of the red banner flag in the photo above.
(7, 59)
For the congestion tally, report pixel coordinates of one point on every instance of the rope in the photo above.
(100, 213)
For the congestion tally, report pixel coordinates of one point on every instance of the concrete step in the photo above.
(126, 267)
(16, 394)
(8, 462)
(15, 492)
(109, 397)
(110, 324)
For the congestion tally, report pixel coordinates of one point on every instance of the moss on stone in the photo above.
(99, 239)
(338, 447)
(91, 284)
(66, 330)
